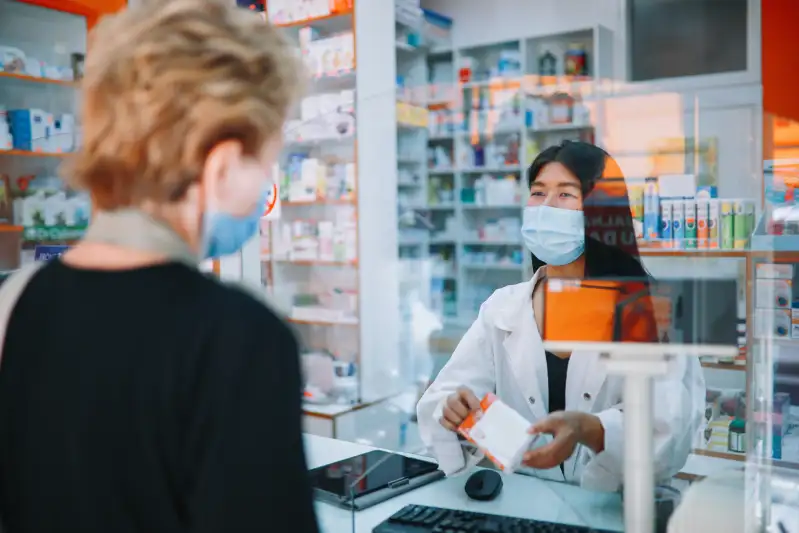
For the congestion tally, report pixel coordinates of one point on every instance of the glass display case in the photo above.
(309, 253)
(774, 271)
(326, 251)
(460, 180)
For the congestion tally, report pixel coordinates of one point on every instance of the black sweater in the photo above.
(149, 400)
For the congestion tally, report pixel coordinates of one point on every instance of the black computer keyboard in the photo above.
(422, 519)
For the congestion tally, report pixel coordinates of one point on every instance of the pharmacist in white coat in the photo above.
(568, 397)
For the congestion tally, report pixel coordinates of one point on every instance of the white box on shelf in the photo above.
(772, 323)
(773, 293)
(774, 271)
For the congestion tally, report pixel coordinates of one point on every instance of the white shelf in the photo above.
(438, 207)
(490, 266)
(486, 242)
(477, 207)
(512, 169)
(435, 171)
(321, 142)
(553, 128)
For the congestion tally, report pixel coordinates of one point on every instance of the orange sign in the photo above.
(272, 211)
(91, 9)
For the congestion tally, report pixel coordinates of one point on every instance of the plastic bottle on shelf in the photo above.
(480, 190)
(547, 64)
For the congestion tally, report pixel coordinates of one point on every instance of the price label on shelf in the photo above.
(45, 253)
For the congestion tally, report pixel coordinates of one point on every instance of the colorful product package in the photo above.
(713, 224)
(678, 224)
(666, 210)
(689, 207)
(651, 210)
(740, 225)
(499, 432)
(702, 227)
(727, 224)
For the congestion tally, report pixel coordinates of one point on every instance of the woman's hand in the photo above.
(457, 407)
(569, 428)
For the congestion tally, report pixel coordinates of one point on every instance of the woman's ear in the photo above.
(220, 163)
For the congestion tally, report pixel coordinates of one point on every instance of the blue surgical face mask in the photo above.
(556, 236)
(225, 234)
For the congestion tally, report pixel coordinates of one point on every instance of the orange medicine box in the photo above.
(499, 432)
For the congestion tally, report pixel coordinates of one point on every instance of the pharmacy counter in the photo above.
(522, 496)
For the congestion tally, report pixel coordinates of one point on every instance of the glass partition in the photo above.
(477, 93)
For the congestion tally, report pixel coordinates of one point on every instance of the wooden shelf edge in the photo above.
(725, 366)
(37, 79)
(26, 153)
(705, 254)
(720, 455)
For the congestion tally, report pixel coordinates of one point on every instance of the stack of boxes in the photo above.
(34, 130)
(293, 11)
(692, 219)
(308, 179)
(317, 240)
(776, 306)
(323, 117)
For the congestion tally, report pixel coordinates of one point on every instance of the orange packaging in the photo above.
(607, 311)
(499, 432)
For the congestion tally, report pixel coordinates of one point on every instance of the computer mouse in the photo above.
(483, 485)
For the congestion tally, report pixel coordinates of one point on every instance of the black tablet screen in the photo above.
(338, 478)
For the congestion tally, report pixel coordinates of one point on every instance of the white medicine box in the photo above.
(773, 293)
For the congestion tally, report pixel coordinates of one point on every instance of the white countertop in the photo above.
(522, 496)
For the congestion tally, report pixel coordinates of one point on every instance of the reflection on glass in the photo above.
(698, 208)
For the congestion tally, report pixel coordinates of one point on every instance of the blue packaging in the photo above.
(29, 128)
(47, 252)
(706, 192)
(666, 222)
(651, 210)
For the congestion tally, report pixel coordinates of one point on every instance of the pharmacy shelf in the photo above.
(54, 33)
(343, 131)
(492, 125)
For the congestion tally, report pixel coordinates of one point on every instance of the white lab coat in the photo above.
(502, 352)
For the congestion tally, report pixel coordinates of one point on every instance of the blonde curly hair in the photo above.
(164, 83)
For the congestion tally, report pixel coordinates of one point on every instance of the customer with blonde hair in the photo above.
(136, 393)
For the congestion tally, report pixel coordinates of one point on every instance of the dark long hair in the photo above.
(591, 165)
(599, 173)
